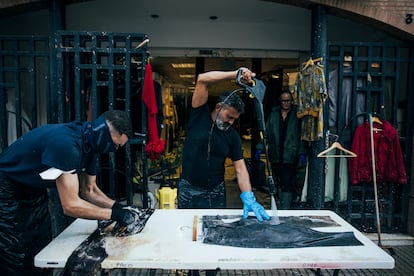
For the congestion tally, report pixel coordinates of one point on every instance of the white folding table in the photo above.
(166, 242)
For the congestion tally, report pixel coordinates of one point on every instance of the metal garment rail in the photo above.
(99, 71)
(366, 78)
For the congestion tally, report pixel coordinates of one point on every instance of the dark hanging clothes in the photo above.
(251, 234)
(340, 98)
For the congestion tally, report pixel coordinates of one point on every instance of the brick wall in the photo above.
(392, 13)
(404, 10)
(390, 16)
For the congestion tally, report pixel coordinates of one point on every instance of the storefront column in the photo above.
(56, 22)
(316, 180)
(408, 190)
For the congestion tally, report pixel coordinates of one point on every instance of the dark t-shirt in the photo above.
(198, 167)
(51, 146)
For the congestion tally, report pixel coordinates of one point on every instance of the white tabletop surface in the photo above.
(166, 243)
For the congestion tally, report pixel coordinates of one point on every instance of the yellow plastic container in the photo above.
(167, 198)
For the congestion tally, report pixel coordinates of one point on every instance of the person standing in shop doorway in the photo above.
(285, 148)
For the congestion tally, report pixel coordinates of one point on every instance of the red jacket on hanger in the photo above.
(389, 161)
(155, 146)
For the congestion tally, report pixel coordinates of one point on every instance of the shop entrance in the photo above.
(362, 79)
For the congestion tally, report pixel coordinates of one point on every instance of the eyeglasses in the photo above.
(285, 101)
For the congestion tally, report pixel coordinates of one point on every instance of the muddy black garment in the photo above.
(88, 256)
(310, 221)
(290, 233)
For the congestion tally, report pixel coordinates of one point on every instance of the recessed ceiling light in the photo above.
(186, 76)
(183, 65)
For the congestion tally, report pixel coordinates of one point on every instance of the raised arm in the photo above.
(204, 80)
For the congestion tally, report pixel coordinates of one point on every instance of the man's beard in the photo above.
(222, 125)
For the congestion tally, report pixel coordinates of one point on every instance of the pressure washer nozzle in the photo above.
(271, 185)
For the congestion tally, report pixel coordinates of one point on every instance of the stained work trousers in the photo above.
(25, 227)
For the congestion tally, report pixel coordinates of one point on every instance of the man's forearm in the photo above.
(243, 178)
(216, 76)
(95, 196)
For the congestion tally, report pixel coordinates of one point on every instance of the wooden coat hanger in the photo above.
(336, 146)
(377, 120)
(308, 63)
(311, 62)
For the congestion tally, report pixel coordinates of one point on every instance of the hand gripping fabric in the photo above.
(141, 217)
(250, 204)
(124, 216)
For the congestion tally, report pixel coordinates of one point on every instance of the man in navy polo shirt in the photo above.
(61, 156)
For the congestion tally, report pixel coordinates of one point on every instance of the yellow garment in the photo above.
(310, 95)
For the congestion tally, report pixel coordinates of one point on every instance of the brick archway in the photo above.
(395, 17)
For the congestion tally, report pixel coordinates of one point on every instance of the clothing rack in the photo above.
(374, 180)
(372, 118)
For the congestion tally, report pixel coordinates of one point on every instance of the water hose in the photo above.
(257, 90)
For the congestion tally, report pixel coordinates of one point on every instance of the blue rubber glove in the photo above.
(250, 204)
(302, 160)
(257, 154)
